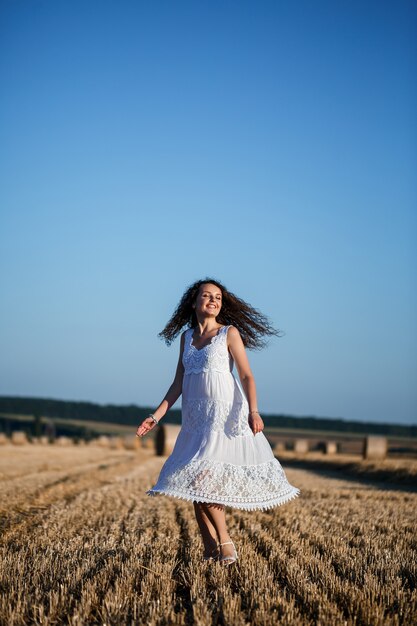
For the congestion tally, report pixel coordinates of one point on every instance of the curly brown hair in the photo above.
(251, 323)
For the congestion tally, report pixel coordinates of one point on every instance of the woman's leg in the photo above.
(207, 529)
(217, 515)
(211, 518)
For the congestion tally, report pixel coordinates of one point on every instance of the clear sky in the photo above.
(269, 144)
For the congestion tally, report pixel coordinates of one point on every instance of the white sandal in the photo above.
(228, 560)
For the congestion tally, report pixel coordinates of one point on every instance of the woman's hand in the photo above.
(147, 425)
(256, 423)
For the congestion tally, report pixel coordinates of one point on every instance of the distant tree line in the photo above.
(132, 415)
(128, 415)
(34, 428)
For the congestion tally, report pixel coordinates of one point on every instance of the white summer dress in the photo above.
(216, 457)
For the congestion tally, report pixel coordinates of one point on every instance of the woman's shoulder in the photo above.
(184, 334)
(184, 340)
(231, 331)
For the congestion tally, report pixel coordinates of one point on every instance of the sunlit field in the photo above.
(81, 543)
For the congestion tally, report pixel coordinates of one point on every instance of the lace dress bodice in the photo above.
(211, 357)
(212, 399)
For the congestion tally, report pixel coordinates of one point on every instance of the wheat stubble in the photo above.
(82, 544)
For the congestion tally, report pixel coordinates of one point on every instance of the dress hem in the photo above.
(246, 506)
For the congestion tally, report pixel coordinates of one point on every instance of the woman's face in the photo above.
(209, 300)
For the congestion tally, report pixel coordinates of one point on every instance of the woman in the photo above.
(221, 456)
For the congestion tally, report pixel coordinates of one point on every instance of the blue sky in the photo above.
(269, 144)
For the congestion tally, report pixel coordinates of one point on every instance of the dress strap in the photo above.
(225, 329)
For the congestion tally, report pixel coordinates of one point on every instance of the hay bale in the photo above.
(43, 441)
(116, 443)
(165, 438)
(131, 442)
(103, 441)
(278, 447)
(375, 447)
(3, 439)
(63, 441)
(301, 446)
(19, 438)
(93, 441)
(330, 447)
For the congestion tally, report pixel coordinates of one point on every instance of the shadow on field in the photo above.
(380, 478)
(183, 596)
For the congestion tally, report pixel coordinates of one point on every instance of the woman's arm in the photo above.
(238, 352)
(170, 398)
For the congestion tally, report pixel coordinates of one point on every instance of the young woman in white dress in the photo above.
(221, 457)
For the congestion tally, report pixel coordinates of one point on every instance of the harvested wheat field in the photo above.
(82, 544)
